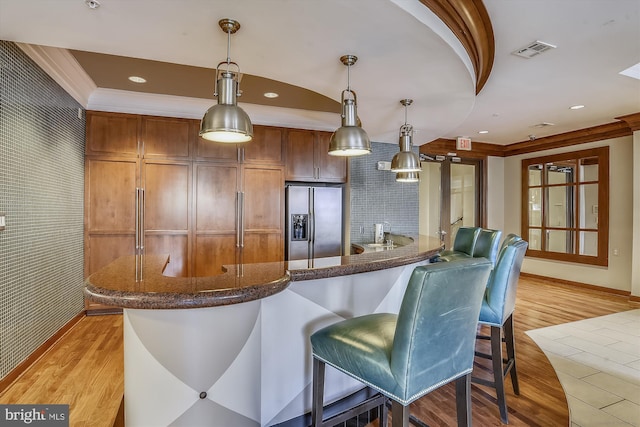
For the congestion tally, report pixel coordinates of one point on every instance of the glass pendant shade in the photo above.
(226, 122)
(407, 177)
(349, 139)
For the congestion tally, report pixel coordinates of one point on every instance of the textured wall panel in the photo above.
(41, 193)
(377, 197)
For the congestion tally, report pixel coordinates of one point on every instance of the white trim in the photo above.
(63, 68)
(121, 101)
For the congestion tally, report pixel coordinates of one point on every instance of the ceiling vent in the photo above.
(533, 49)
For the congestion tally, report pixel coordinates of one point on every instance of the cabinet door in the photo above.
(212, 251)
(300, 152)
(167, 190)
(112, 134)
(262, 247)
(164, 137)
(216, 217)
(263, 216)
(330, 168)
(110, 213)
(265, 147)
(213, 151)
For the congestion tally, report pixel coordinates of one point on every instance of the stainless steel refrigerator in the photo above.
(314, 222)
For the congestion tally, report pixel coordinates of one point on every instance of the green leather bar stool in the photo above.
(509, 239)
(429, 343)
(463, 244)
(496, 311)
(487, 244)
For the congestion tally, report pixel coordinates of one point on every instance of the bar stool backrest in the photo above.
(435, 332)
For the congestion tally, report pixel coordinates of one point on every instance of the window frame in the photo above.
(602, 257)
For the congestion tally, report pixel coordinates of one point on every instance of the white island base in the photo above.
(246, 364)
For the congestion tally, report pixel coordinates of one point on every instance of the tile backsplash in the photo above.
(41, 195)
(376, 197)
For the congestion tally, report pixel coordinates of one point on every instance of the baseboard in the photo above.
(103, 311)
(22, 367)
(581, 285)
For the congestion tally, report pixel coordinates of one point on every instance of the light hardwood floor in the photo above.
(85, 367)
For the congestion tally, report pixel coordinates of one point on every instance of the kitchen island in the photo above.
(233, 349)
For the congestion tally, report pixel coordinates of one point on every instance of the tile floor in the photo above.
(598, 363)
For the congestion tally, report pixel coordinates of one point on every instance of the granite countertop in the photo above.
(115, 284)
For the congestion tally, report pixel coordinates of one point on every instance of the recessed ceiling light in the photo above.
(483, 131)
(576, 107)
(633, 71)
(271, 95)
(137, 79)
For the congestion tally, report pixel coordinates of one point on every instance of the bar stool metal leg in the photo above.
(399, 414)
(317, 393)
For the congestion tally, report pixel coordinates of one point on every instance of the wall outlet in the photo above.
(3, 221)
(616, 252)
(384, 166)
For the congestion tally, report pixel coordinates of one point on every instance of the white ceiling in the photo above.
(403, 51)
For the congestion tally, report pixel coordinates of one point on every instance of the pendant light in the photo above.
(225, 121)
(405, 160)
(349, 139)
(407, 177)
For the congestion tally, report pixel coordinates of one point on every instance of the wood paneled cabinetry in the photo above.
(308, 160)
(239, 215)
(152, 185)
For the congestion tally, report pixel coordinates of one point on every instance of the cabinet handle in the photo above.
(237, 219)
(142, 211)
(137, 233)
(242, 219)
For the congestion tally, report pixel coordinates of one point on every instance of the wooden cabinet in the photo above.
(264, 148)
(153, 182)
(216, 217)
(262, 216)
(110, 212)
(166, 212)
(330, 168)
(164, 137)
(308, 159)
(237, 207)
(112, 134)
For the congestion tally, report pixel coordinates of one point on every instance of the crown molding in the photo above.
(632, 120)
(625, 127)
(63, 68)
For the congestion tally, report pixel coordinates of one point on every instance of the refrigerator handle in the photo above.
(312, 223)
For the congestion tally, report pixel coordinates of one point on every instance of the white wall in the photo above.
(635, 255)
(621, 191)
(495, 191)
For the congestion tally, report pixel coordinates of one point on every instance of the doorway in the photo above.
(450, 196)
